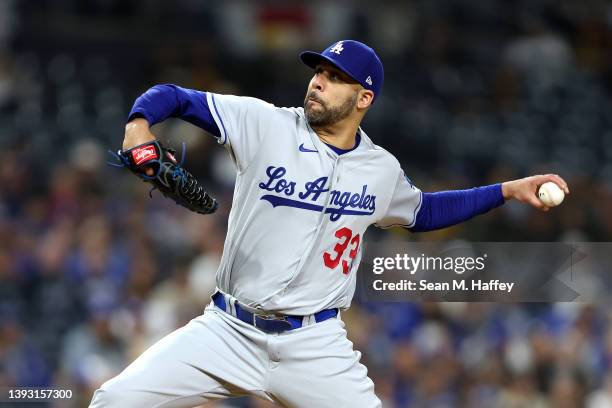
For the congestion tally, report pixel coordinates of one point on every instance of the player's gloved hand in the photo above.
(525, 189)
(156, 164)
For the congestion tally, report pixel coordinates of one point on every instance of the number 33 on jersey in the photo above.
(346, 238)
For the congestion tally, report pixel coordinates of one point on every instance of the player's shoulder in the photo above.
(386, 157)
(253, 104)
(246, 101)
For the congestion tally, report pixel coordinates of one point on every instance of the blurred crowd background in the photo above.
(92, 271)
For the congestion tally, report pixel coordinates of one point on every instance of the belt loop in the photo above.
(232, 306)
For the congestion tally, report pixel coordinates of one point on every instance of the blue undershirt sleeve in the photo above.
(446, 208)
(170, 101)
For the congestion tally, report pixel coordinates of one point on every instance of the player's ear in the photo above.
(365, 99)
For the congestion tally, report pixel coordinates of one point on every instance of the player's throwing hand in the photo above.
(525, 189)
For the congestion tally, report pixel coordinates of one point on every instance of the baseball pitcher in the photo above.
(310, 182)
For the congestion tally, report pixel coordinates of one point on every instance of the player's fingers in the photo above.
(537, 181)
(538, 204)
(146, 171)
(563, 184)
(559, 181)
(534, 201)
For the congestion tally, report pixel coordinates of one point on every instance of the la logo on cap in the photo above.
(337, 48)
(369, 80)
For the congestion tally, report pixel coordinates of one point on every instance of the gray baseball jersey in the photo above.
(300, 210)
(293, 246)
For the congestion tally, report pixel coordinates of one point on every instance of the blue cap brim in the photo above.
(311, 59)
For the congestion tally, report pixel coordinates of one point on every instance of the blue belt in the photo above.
(271, 323)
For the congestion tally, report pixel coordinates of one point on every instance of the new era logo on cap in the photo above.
(356, 59)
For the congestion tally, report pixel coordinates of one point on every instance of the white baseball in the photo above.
(550, 194)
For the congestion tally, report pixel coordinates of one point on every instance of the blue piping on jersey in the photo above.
(416, 209)
(212, 96)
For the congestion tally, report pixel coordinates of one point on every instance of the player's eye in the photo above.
(331, 75)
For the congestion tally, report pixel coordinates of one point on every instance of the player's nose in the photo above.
(318, 82)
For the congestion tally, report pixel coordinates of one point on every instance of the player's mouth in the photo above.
(314, 100)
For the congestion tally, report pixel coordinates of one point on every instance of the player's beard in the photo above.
(328, 115)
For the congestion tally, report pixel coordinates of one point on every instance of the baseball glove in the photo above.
(169, 177)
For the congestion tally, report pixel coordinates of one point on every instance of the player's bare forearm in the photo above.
(525, 189)
(137, 132)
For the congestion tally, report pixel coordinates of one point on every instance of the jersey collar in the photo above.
(340, 151)
(363, 142)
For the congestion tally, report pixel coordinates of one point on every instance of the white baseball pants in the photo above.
(217, 356)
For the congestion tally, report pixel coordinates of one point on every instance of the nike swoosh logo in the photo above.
(306, 150)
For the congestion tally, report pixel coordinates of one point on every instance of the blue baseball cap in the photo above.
(355, 59)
